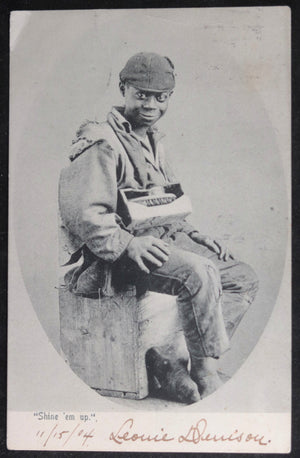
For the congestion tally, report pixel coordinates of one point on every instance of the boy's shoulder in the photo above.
(90, 129)
(88, 133)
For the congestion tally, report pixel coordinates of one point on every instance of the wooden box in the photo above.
(105, 340)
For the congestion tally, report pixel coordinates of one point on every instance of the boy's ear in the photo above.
(122, 88)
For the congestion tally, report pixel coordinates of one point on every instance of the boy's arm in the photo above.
(88, 202)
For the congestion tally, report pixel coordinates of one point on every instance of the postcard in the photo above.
(149, 230)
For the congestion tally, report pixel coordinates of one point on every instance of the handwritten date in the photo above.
(63, 436)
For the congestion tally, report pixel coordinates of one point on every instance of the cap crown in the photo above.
(149, 71)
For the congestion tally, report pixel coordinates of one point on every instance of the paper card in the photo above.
(228, 139)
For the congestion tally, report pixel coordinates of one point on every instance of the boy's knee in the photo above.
(200, 273)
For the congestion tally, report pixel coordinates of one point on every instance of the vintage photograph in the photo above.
(149, 229)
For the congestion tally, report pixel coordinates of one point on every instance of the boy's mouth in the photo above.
(148, 115)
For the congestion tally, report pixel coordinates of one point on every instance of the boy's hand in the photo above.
(149, 249)
(213, 244)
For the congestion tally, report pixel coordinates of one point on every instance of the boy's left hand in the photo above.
(213, 244)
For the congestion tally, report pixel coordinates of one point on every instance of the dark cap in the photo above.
(150, 72)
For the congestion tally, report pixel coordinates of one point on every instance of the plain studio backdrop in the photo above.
(225, 127)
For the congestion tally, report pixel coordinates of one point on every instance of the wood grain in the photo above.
(105, 340)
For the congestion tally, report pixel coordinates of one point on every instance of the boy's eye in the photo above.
(159, 97)
(162, 97)
(141, 95)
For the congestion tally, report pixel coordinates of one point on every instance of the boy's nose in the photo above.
(150, 102)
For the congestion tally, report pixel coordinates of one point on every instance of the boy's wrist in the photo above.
(192, 233)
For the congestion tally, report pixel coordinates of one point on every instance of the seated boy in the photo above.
(213, 289)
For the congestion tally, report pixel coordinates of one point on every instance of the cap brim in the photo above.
(148, 89)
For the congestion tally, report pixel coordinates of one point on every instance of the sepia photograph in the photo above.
(149, 230)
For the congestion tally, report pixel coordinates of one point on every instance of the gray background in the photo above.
(223, 141)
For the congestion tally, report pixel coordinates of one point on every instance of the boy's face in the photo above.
(144, 108)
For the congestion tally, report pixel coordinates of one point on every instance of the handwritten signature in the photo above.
(196, 433)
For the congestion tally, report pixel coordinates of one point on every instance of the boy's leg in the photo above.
(207, 311)
(196, 283)
(239, 281)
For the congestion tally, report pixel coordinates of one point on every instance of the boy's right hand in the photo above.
(148, 248)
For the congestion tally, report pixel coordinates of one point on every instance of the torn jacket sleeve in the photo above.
(88, 202)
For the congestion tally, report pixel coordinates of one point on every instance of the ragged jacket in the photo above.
(104, 158)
